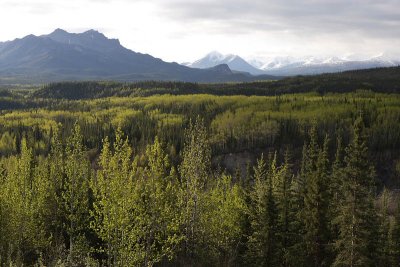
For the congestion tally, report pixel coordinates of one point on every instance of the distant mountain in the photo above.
(92, 56)
(289, 66)
(233, 61)
(63, 56)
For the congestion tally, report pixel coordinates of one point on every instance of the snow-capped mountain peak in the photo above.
(315, 65)
(289, 65)
(215, 56)
(234, 62)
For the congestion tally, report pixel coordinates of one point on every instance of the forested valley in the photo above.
(159, 176)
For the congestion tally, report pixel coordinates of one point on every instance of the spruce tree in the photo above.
(286, 214)
(335, 195)
(316, 201)
(263, 242)
(296, 253)
(335, 188)
(356, 217)
(385, 236)
(395, 237)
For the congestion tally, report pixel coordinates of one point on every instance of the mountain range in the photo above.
(90, 55)
(64, 56)
(233, 61)
(290, 66)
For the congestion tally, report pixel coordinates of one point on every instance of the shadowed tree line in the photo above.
(383, 80)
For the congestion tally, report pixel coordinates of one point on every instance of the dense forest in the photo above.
(385, 80)
(153, 174)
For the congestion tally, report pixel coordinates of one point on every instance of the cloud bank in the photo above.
(183, 30)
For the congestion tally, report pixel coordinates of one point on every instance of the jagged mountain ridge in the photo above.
(92, 56)
(233, 61)
(290, 66)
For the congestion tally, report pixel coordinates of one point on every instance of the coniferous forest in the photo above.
(150, 175)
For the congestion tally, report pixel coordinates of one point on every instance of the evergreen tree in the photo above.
(384, 236)
(336, 183)
(263, 247)
(297, 251)
(286, 214)
(335, 195)
(356, 218)
(246, 186)
(316, 201)
(395, 237)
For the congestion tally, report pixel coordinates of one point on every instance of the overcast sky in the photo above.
(184, 30)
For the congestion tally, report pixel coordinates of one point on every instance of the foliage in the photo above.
(172, 180)
(378, 80)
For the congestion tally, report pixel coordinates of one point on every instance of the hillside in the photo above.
(386, 80)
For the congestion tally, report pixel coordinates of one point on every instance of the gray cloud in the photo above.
(372, 19)
(37, 7)
(182, 29)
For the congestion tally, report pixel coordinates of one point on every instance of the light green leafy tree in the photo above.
(157, 209)
(75, 197)
(195, 170)
(112, 189)
(225, 207)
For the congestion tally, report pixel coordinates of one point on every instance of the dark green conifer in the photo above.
(355, 245)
